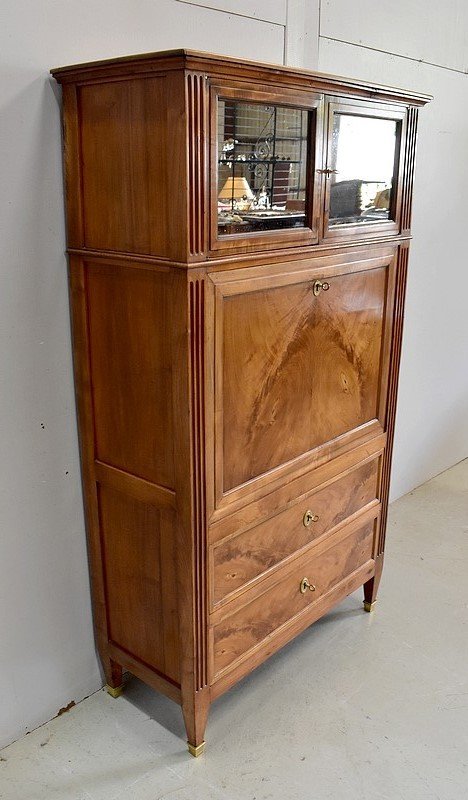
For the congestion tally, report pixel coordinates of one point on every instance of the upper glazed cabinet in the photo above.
(362, 169)
(293, 169)
(264, 186)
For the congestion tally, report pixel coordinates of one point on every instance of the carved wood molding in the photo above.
(197, 397)
(410, 153)
(196, 105)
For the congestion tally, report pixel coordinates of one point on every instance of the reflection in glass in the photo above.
(262, 167)
(363, 155)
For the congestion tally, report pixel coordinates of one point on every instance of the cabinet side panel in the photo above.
(122, 314)
(399, 309)
(138, 547)
(130, 358)
(123, 155)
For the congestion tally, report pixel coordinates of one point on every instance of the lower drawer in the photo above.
(324, 568)
(240, 559)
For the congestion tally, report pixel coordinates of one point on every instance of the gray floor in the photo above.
(359, 706)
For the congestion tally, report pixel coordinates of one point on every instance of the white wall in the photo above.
(47, 653)
(46, 645)
(432, 420)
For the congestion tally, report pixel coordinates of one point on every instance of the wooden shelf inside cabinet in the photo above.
(236, 379)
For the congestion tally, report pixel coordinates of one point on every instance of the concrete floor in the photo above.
(359, 706)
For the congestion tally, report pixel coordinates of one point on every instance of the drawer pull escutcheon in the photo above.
(319, 286)
(308, 518)
(305, 584)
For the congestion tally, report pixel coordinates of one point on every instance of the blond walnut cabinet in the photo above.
(238, 241)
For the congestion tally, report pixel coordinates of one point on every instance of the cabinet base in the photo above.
(369, 606)
(196, 751)
(115, 691)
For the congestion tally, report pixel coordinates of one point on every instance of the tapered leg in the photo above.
(195, 711)
(114, 677)
(370, 595)
(371, 587)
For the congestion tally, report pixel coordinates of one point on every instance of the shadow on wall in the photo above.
(430, 458)
(43, 571)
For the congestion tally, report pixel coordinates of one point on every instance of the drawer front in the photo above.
(246, 628)
(244, 557)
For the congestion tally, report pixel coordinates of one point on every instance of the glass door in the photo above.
(264, 150)
(362, 186)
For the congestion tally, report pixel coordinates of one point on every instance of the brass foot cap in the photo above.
(369, 606)
(196, 751)
(115, 691)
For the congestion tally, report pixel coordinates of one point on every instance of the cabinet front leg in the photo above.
(114, 677)
(371, 587)
(195, 710)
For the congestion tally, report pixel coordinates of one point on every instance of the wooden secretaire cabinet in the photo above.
(238, 244)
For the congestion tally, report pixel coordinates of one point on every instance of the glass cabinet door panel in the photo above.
(362, 165)
(262, 167)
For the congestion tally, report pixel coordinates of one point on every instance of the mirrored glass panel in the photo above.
(262, 167)
(362, 162)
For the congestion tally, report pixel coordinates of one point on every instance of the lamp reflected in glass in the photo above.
(237, 192)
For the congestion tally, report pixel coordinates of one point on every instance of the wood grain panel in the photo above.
(138, 543)
(253, 658)
(298, 370)
(72, 166)
(245, 556)
(134, 487)
(150, 676)
(129, 312)
(286, 491)
(124, 178)
(245, 629)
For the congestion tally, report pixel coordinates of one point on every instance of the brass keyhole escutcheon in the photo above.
(308, 518)
(305, 584)
(320, 286)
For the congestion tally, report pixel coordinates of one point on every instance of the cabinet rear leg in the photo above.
(114, 677)
(370, 598)
(372, 586)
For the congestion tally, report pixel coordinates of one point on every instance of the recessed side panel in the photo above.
(124, 181)
(302, 366)
(130, 359)
(138, 550)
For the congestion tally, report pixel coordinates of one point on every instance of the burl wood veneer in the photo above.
(236, 386)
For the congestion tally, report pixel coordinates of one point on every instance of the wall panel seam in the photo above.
(396, 55)
(233, 13)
